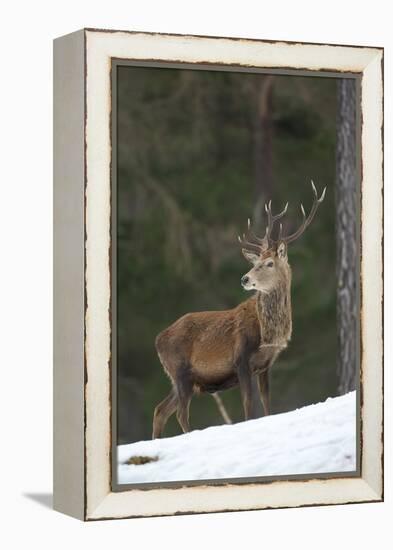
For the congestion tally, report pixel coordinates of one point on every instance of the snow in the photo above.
(318, 438)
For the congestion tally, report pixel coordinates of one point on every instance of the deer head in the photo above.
(268, 255)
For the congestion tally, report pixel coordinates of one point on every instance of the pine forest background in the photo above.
(198, 153)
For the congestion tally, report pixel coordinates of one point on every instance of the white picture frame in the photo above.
(82, 334)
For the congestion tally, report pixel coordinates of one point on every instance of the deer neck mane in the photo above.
(275, 315)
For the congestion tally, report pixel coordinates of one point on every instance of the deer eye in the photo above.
(270, 263)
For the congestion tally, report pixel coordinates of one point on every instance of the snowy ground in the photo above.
(315, 439)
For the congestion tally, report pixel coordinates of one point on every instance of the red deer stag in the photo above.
(212, 351)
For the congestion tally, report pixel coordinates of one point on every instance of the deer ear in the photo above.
(250, 256)
(282, 250)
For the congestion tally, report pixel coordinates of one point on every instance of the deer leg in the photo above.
(264, 390)
(184, 394)
(245, 384)
(257, 410)
(221, 408)
(162, 412)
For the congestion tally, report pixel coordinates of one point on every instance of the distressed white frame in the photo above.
(100, 48)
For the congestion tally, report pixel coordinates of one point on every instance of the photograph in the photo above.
(197, 311)
(235, 275)
(218, 208)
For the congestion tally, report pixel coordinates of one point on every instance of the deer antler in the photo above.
(306, 219)
(271, 220)
(262, 244)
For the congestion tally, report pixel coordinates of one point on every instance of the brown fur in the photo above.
(216, 350)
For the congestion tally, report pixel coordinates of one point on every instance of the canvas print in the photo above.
(235, 348)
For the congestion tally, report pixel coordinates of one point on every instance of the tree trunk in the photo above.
(346, 233)
(263, 143)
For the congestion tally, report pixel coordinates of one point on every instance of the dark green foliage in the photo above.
(186, 186)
